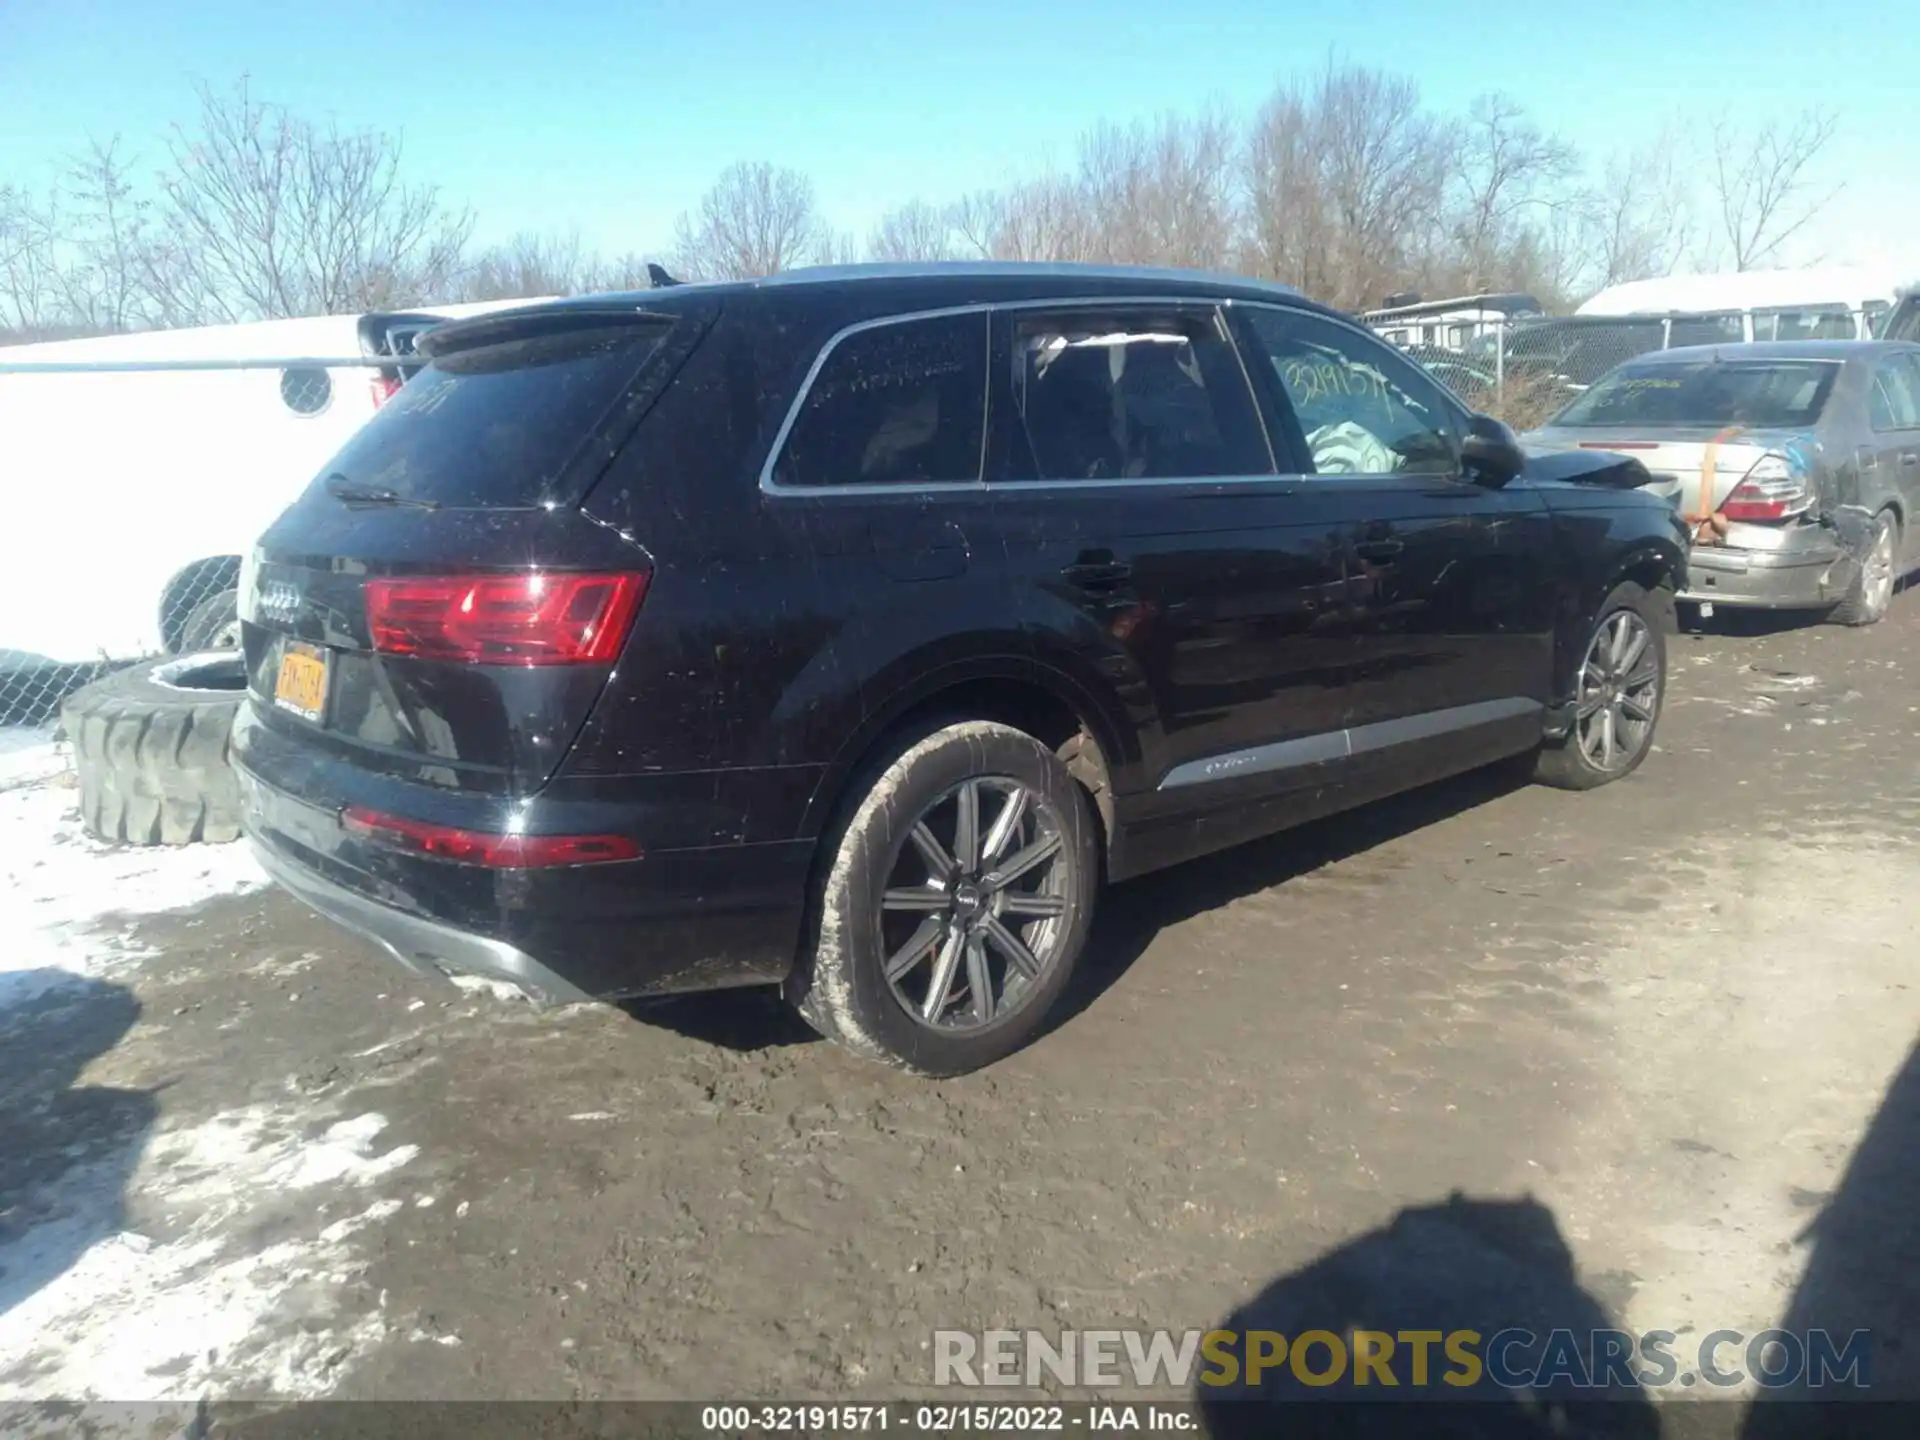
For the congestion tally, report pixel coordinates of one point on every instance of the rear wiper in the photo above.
(344, 490)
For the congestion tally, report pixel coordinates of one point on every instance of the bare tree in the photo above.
(1345, 180)
(1640, 215)
(622, 272)
(757, 219)
(265, 214)
(1046, 219)
(1509, 177)
(105, 228)
(29, 279)
(1761, 190)
(839, 247)
(530, 265)
(1161, 193)
(916, 231)
(1289, 223)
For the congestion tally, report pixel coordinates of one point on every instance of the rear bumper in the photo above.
(670, 922)
(424, 946)
(1805, 577)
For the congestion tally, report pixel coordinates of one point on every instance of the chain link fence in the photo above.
(196, 612)
(1524, 371)
(188, 603)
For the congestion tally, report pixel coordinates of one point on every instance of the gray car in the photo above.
(1799, 461)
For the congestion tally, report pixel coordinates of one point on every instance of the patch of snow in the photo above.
(29, 755)
(480, 984)
(58, 887)
(199, 1304)
(594, 1115)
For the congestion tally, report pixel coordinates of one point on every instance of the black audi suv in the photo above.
(847, 631)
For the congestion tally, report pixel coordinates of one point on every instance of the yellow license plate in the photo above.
(302, 683)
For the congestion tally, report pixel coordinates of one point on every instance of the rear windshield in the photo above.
(1765, 394)
(494, 426)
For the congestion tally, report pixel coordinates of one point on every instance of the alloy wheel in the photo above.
(974, 913)
(1619, 692)
(1876, 584)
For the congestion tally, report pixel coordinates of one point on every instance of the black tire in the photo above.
(840, 984)
(213, 624)
(1867, 601)
(150, 751)
(1566, 762)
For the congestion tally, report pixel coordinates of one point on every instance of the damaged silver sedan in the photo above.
(1797, 465)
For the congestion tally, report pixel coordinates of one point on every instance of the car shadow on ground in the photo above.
(1460, 1265)
(753, 1018)
(1738, 623)
(1863, 1272)
(1130, 915)
(67, 1149)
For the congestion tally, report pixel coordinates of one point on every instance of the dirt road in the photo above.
(244, 1155)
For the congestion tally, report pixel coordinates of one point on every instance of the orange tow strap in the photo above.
(1708, 523)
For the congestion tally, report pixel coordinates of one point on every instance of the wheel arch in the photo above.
(1657, 566)
(1050, 705)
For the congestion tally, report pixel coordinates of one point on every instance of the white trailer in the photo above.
(137, 469)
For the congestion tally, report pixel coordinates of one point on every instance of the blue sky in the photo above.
(611, 118)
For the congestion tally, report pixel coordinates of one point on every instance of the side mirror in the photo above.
(1490, 452)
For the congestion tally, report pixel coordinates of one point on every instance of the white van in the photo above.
(1829, 302)
(139, 468)
(1449, 324)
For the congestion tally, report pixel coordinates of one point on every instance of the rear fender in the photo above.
(918, 679)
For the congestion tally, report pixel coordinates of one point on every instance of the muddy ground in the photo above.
(1676, 1017)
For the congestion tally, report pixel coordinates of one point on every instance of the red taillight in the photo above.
(1772, 490)
(479, 847)
(385, 388)
(1739, 508)
(557, 619)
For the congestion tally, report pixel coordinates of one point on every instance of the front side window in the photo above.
(1362, 409)
(902, 403)
(1129, 394)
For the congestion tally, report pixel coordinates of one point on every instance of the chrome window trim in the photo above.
(1333, 745)
(1216, 303)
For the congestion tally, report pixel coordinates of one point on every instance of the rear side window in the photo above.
(1904, 322)
(1129, 395)
(1757, 393)
(494, 426)
(903, 403)
(1809, 322)
(1725, 328)
(1894, 403)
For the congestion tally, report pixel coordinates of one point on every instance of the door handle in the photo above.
(1378, 549)
(1097, 574)
(1910, 457)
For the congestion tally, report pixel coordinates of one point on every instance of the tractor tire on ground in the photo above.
(150, 751)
